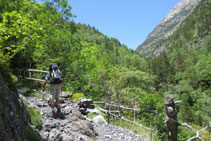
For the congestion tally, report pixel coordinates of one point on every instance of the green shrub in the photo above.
(76, 96)
(91, 115)
(185, 133)
(14, 78)
(101, 113)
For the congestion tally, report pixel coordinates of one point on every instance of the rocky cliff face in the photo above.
(151, 46)
(13, 116)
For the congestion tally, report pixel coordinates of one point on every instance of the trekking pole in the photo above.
(59, 100)
(43, 92)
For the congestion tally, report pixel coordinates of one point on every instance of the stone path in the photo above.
(71, 125)
(109, 132)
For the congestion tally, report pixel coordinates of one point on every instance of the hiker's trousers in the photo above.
(55, 90)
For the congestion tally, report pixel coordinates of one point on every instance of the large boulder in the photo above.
(85, 103)
(79, 122)
(99, 119)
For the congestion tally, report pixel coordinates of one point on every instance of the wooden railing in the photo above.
(27, 74)
(119, 116)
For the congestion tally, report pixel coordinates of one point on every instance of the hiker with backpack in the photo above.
(54, 76)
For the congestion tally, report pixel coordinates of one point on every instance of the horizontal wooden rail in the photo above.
(35, 79)
(115, 105)
(30, 71)
(111, 111)
(41, 71)
(122, 107)
(122, 118)
(98, 102)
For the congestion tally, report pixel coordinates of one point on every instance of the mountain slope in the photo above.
(151, 46)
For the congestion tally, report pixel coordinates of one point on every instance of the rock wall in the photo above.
(13, 116)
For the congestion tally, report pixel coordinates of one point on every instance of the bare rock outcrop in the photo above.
(14, 118)
(151, 47)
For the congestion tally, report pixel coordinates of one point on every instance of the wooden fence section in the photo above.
(122, 118)
(123, 107)
(27, 74)
(117, 106)
(111, 112)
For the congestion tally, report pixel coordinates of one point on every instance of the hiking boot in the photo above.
(58, 108)
(53, 113)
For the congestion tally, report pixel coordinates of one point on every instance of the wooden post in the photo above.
(171, 117)
(114, 117)
(108, 110)
(30, 74)
(134, 112)
(19, 75)
(113, 120)
(24, 73)
(30, 82)
(119, 114)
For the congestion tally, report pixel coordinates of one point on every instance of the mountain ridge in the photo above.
(166, 27)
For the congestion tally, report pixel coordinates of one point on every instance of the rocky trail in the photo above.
(72, 125)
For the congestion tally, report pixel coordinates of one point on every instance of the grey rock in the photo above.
(108, 137)
(94, 111)
(85, 102)
(41, 104)
(83, 110)
(68, 138)
(99, 119)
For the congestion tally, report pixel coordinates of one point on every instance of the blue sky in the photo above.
(130, 21)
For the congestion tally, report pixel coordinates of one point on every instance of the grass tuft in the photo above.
(35, 117)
